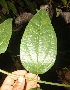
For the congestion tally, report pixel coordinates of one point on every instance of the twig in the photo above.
(35, 80)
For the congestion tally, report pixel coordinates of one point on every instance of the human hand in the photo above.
(15, 83)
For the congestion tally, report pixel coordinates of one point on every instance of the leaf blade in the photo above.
(38, 47)
(5, 34)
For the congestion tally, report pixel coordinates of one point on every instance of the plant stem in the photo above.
(10, 74)
(57, 84)
(35, 80)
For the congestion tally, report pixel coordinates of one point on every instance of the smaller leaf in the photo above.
(4, 4)
(5, 34)
(12, 7)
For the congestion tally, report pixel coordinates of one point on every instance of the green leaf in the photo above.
(38, 47)
(12, 7)
(4, 4)
(35, 89)
(5, 34)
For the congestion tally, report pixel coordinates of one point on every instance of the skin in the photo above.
(14, 83)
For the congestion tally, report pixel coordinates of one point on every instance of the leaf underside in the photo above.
(38, 47)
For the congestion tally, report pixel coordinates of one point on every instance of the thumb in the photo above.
(20, 84)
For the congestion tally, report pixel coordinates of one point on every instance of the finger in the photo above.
(36, 86)
(8, 81)
(18, 72)
(32, 84)
(30, 75)
(6, 87)
(20, 84)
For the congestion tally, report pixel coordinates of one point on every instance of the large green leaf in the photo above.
(5, 34)
(38, 47)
